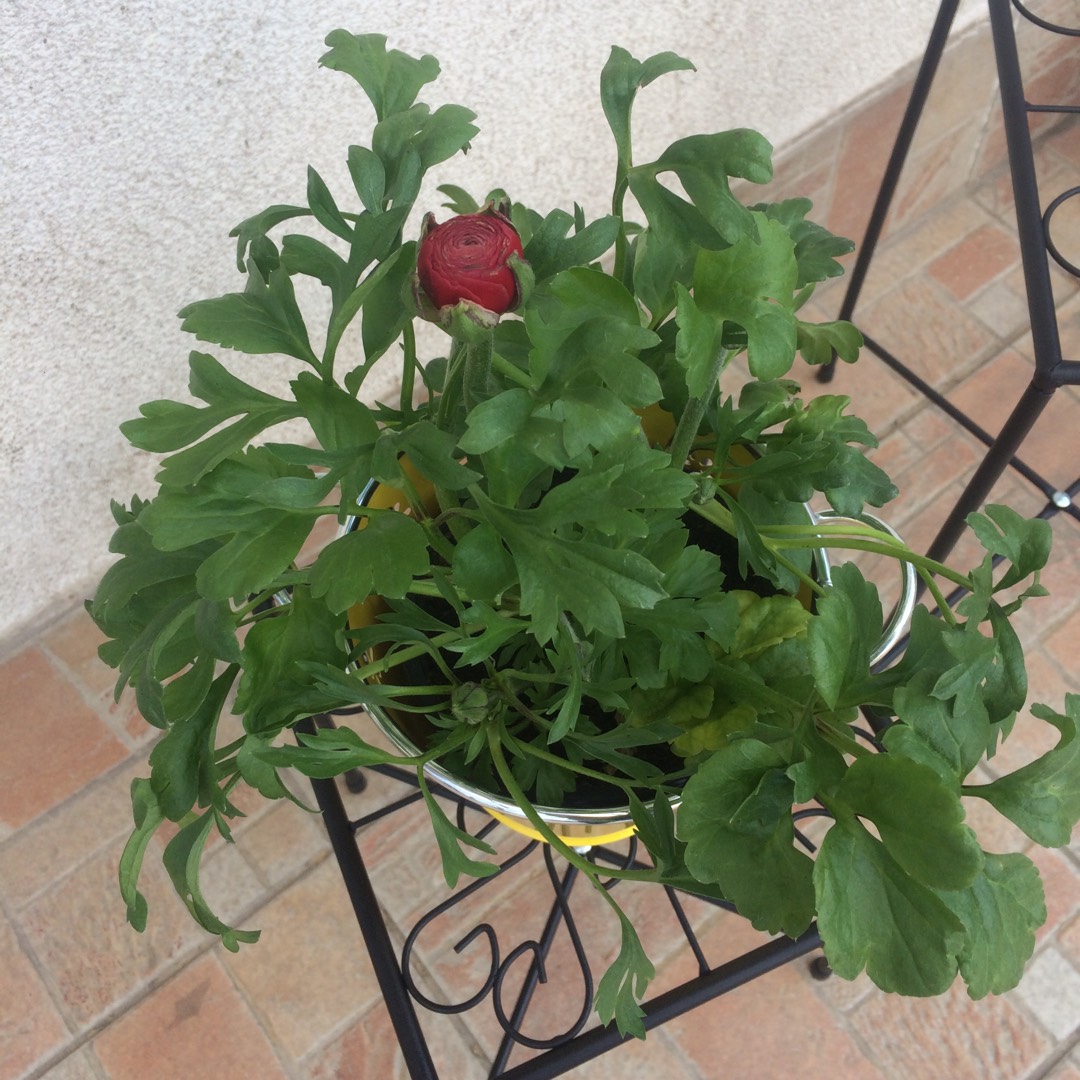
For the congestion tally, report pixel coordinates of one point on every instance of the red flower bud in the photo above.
(465, 258)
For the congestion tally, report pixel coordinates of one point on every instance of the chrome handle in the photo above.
(898, 622)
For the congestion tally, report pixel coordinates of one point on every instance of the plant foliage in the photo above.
(549, 551)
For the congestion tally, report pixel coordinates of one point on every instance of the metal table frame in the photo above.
(1051, 372)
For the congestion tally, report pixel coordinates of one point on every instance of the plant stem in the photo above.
(451, 386)
(512, 372)
(502, 767)
(690, 421)
(853, 537)
(409, 367)
(474, 387)
(894, 551)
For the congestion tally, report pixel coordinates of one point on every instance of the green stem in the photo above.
(939, 597)
(853, 537)
(583, 770)
(401, 656)
(512, 372)
(474, 387)
(920, 562)
(451, 391)
(502, 768)
(621, 244)
(409, 366)
(801, 575)
(690, 421)
(846, 744)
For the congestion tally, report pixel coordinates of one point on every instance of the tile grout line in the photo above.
(83, 1035)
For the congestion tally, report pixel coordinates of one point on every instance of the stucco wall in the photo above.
(136, 134)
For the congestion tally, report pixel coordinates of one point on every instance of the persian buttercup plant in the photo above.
(546, 587)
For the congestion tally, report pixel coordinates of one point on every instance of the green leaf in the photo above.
(818, 342)
(408, 143)
(816, 249)
(182, 761)
(368, 177)
(329, 752)
(841, 636)
(489, 631)
(248, 563)
(430, 449)
(381, 558)
(305, 255)
(390, 78)
(337, 419)
(461, 202)
(550, 250)
(957, 730)
(1043, 797)
(493, 422)
(586, 579)
(586, 328)
(450, 838)
(974, 655)
(273, 680)
(182, 858)
(620, 80)
(148, 816)
(765, 621)
(817, 437)
(1024, 542)
(385, 315)
(253, 229)
(265, 318)
(624, 983)
(931, 843)
(703, 164)
(1001, 910)
(170, 425)
(448, 130)
(259, 774)
(912, 951)
(697, 343)
(750, 283)
(736, 820)
(324, 208)
(483, 567)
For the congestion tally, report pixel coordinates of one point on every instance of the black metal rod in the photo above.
(1020, 422)
(1029, 218)
(380, 948)
(950, 410)
(1050, 370)
(532, 977)
(920, 92)
(666, 1007)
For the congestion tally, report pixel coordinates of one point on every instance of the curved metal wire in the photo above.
(1051, 247)
(1054, 28)
(482, 930)
(561, 915)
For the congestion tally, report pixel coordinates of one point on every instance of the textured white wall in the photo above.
(136, 134)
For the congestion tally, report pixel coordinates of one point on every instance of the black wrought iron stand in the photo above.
(579, 1042)
(1051, 371)
(582, 1042)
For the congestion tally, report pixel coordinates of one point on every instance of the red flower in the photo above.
(465, 258)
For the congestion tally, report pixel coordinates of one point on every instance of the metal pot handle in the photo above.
(898, 622)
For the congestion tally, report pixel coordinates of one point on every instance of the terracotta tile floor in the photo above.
(83, 996)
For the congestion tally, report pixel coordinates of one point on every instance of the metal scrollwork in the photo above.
(1054, 28)
(497, 981)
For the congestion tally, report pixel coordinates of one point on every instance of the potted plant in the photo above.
(571, 555)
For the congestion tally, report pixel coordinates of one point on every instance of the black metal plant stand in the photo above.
(582, 1042)
(1051, 371)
